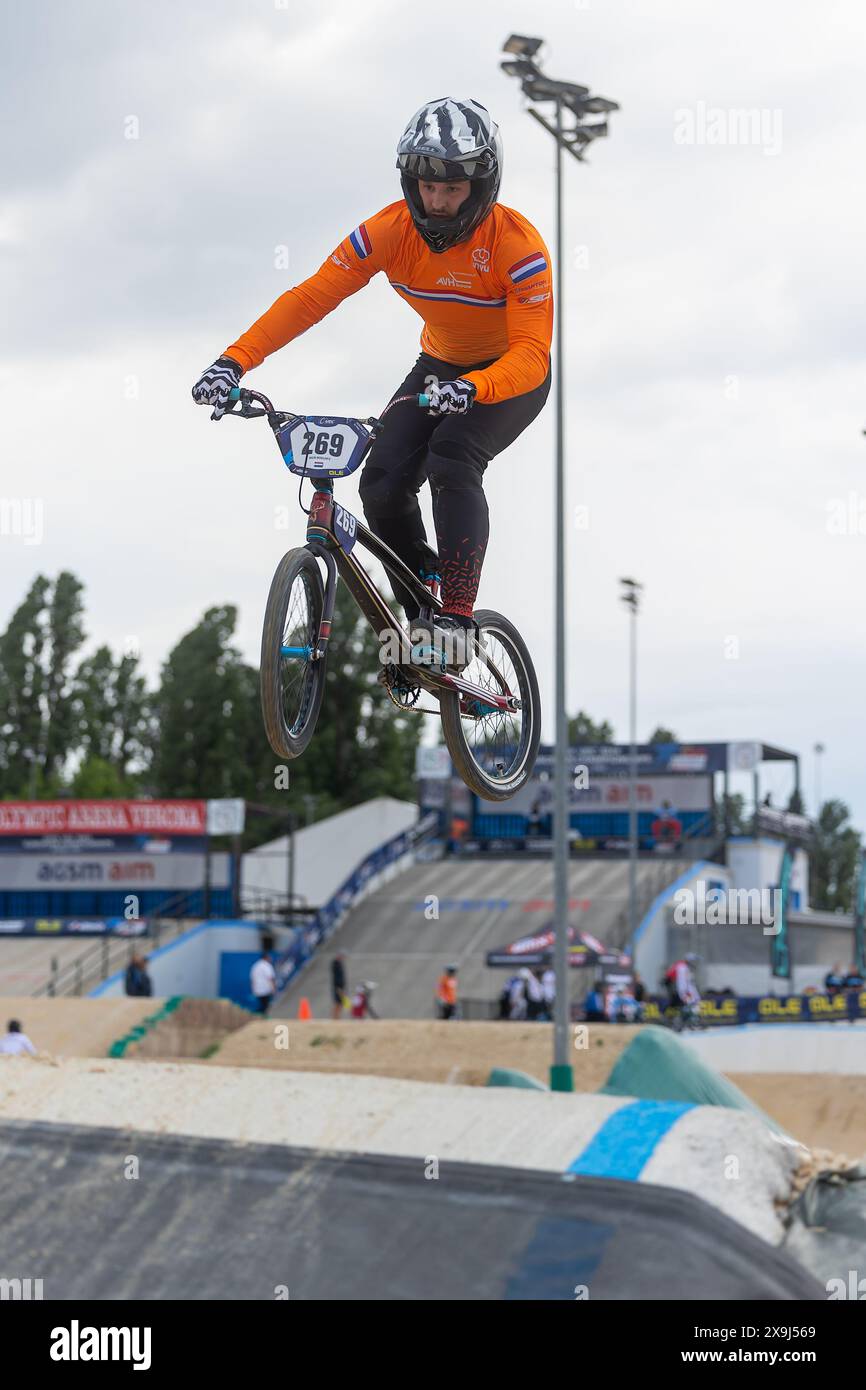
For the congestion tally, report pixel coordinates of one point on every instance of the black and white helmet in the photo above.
(448, 140)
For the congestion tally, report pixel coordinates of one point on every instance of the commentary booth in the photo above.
(681, 795)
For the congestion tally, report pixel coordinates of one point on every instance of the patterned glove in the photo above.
(214, 385)
(451, 397)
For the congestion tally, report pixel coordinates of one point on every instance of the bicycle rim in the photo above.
(494, 750)
(292, 682)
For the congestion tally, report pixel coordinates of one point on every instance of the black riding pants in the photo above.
(453, 452)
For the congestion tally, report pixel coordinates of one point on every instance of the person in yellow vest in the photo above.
(446, 992)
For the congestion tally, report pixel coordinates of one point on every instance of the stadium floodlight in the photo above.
(599, 106)
(541, 88)
(575, 100)
(520, 67)
(521, 45)
(631, 593)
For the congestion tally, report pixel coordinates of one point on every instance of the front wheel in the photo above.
(292, 679)
(495, 751)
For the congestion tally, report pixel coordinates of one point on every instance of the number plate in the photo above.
(345, 526)
(329, 446)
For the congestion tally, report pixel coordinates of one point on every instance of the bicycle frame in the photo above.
(326, 520)
(332, 533)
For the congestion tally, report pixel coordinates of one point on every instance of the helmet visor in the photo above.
(435, 170)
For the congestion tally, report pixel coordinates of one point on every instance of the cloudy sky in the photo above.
(162, 162)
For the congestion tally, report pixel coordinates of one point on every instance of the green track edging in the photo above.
(147, 1025)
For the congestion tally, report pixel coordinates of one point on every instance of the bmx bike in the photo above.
(688, 1018)
(490, 711)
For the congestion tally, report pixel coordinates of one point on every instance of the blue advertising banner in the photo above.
(101, 844)
(769, 1009)
(72, 926)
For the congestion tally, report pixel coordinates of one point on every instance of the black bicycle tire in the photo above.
(452, 728)
(282, 740)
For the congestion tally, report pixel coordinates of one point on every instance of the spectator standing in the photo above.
(534, 995)
(834, 980)
(338, 985)
(623, 1006)
(361, 1005)
(593, 1006)
(263, 982)
(517, 999)
(459, 829)
(548, 990)
(137, 981)
(14, 1042)
(505, 998)
(681, 983)
(446, 992)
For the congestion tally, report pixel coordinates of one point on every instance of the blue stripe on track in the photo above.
(628, 1139)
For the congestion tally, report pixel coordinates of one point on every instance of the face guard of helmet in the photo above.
(447, 141)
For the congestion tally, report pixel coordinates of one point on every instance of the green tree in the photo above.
(22, 680)
(112, 714)
(97, 778)
(199, 713)
(663, 735)
(583, 729)
(65, 636)
(37, 721)
(796, 803)
(739, 820)
(211, 741)
(834, 859)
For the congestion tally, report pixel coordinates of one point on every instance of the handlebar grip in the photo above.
(235, 393)
(423, 399)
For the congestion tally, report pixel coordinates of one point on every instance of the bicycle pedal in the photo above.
(429, 657)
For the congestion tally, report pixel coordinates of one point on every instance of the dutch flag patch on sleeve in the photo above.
(527, 267)
(361, 242)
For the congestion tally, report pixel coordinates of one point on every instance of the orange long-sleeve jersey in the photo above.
(488, 298)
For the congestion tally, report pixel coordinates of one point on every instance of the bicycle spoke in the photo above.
(299, 638)
(493, 738)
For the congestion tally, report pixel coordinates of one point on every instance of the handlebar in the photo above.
(245, 396)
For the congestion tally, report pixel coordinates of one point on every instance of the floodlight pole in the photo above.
(561, 1072)
(630, 594)
(632, 786)
(539, 88)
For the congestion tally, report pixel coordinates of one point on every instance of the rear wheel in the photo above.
(494, 751)
(292, 682)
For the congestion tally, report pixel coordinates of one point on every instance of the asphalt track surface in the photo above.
(211, 1220)
(388, 938)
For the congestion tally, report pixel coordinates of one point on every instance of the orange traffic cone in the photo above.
(304, 1010)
